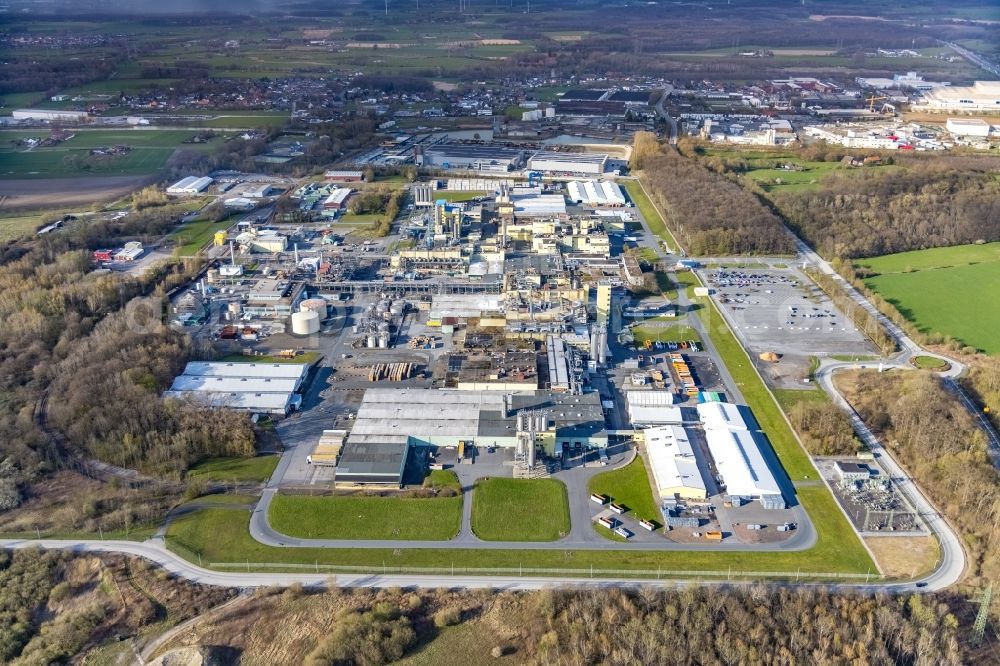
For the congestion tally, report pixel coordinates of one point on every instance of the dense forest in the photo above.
(933, 436)
(709, 214)
(84, 357)
(923, 202)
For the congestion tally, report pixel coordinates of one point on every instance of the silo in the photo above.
(305, 322)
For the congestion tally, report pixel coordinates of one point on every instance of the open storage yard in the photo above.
(944, 290)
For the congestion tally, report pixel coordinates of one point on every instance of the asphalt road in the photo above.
(155, 551)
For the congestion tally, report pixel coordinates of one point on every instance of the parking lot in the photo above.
(781, 310)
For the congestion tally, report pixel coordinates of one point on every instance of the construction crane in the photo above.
(872, 100)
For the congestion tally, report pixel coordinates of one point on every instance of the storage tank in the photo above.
(397, 307)
(315, 304)
(305, 322)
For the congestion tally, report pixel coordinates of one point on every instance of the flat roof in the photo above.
(558, 156)
(234, 384)
(241, 369)
(372, 462)
(736, 451)
(252, 402)
(474, 151)
(673, 459)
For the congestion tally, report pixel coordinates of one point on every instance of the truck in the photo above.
(461, 451)
(326, 453)
(713, 535)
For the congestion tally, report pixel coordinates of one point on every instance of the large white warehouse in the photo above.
(262, 388)
(596, 193)
(50, 115)
(590, 164)
(737, 455)
(190, 185)
(981, 96)
(674, 463)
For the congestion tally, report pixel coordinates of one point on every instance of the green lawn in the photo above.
(520, 510)
(195, 235)
(358, 517)
(788, 180)
(222, 538)
(649, 213)
(258, 468)
(660, 330)
(454, 196)
(943, 291)
(629, 486)
(929, 363)
(442, 478)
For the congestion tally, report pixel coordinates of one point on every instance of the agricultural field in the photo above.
(426, 519)
(520, 510)
(941, 291)
(149, 152)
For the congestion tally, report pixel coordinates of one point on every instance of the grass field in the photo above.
(258, 468)
(941, 290)
(442, 478)
(195, 235)
(520, 510)
(222, 539)
(660, 330)
(455, 196)
(18, 225)
(150, 150)
(929, 363)
(649, 213)
(421, 519)
(629, 485)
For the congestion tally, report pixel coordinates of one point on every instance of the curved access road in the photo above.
(953, 558)
(156, 552)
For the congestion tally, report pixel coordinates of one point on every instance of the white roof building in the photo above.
(968, 127)
(653, 408)
(596, 193)
(674, 464)
(737, 455)
(259, 403)
(296, 371)
(337, 197)
(549, 161)
(981, 96)
(265, 388)
(190, 185)
(539, 205)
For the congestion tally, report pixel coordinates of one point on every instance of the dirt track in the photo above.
(32, 194)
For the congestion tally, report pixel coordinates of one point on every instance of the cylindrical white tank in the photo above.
(397, 307)
(305, 322)
(317, 304)
(372, 341)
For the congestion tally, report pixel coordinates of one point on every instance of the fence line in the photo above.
(533, 571)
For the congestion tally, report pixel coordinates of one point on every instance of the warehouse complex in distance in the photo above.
(596, 193)
(981, 96)
(190, 185)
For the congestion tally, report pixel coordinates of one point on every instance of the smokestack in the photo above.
(296, 246)
(232, 254)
